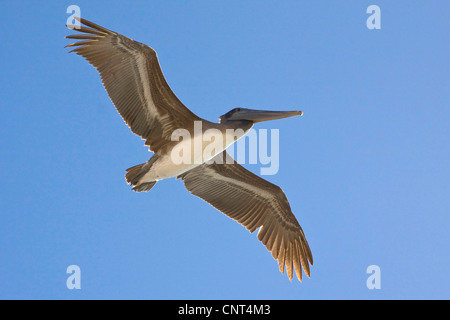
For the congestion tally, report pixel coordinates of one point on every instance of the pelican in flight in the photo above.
(133, 79)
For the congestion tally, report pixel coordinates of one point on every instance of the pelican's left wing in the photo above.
(133, 78)
(254, 203)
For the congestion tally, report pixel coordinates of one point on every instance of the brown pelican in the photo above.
(132, 76)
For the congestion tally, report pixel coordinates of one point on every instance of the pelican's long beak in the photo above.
(262, 115)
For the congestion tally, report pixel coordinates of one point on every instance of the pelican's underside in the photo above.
(133, 79)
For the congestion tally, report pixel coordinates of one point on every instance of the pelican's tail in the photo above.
(135, 174)
(146, 186)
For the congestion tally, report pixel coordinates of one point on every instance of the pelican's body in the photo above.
(190, 148)
(163, 166)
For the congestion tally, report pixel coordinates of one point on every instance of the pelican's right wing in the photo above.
(254, 203)
(135, 83)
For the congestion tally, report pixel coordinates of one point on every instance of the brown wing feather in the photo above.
(254, 203)
(132, 76)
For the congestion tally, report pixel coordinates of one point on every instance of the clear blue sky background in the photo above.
(366, 169)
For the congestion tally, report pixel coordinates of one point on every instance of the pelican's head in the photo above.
(254, 116)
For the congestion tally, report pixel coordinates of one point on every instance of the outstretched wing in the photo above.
(132, 76)
(254, 203)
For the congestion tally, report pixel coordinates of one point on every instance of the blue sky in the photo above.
(366, 169)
